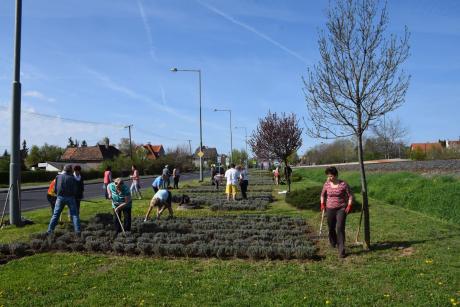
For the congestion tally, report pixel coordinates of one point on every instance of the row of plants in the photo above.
(249, 236)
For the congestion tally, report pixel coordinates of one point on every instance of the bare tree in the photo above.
(392, 133)
(276, 137)
(358, 78)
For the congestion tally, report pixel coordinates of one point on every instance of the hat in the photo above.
(68, 168)
(166, 165)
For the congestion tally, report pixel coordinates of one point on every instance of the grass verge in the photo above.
(414, 262)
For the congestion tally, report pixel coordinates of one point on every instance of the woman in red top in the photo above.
(107, 180)
(337, 200)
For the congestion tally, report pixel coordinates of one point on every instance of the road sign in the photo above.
(200, 154)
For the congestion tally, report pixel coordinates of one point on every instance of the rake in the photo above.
(320, 234)
(119, 221)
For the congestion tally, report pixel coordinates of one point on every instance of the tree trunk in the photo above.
(286, 175)
(367, 229)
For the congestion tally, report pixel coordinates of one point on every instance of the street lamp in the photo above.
(246, 141)
(15, 162)
(231, 134)
(201, 127)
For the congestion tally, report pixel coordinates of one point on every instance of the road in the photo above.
(34, 199)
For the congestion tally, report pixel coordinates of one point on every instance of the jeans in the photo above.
(126, 219)
(336, 221)
(106, 194)
(60, 203)
(135, 188)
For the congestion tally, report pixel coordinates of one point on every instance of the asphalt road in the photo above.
(34, 199)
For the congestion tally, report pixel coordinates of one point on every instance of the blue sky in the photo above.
(108, 62)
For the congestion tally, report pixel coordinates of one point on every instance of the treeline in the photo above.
(346, 150)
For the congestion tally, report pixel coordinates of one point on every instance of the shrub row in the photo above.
(309, 198)
(255, 237)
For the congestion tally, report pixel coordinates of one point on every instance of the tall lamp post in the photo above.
(15, 163)
(246, 142)
(201, 127)
(231, 134)
(130, 143)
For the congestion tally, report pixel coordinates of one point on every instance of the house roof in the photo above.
(154, 151)
(425, 146)
(90, 153)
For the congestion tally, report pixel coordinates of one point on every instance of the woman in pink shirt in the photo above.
(107, 180)
(337, 200)
(135, 186)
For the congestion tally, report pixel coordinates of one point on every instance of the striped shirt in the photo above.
(336, 197)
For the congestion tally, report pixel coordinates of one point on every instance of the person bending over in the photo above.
(161, 200)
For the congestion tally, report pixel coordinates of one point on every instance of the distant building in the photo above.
(209, 157)
(454, 145)
(154, 151)
(426, 147)
(91, 156)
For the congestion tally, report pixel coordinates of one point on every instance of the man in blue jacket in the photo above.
(65, 189)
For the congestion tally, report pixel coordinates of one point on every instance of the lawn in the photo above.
(414, 262)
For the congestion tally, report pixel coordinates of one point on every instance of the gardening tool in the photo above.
(321, 226)
(4, 207)
(359, 229)
(119, 221)
(320, 235)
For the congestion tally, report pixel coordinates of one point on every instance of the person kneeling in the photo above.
(161, 200)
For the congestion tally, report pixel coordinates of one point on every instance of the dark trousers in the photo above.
(126, 219)
(336, 221)
(244, 188)
(52, 201)
(155, 189)
(176, 182)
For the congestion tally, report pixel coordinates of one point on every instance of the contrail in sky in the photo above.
(147, 30)
(253, 30)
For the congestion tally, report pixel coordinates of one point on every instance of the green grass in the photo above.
(414, 262)
(437, 196)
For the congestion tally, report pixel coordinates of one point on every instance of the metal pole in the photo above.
(201, 129)
(15, 162)
(130, 143)
(231, 138)
(190, 146)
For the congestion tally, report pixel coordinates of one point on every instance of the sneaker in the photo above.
(145, 220)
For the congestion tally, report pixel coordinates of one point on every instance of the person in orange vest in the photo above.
(51, 195)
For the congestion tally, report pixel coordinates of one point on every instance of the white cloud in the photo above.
(38, 95)
(255, 31)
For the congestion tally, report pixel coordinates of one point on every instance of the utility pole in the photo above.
(190, 146)
(130, 144)
(15, 162)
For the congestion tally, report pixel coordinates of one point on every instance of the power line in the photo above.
(66, 119)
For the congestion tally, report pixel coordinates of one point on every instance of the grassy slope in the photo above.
(414, 262)
(438, 196)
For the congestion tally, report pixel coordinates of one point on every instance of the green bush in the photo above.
(296, 177)
(309, 198)
(306, 198)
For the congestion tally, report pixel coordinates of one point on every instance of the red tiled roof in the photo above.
(90, 153)
(154, 151)
(425, 146)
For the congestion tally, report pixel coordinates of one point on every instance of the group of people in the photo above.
(287, 174)
(336, 199)
(235, 176)
(68, 187)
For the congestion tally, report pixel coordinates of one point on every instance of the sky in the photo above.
(89, 68)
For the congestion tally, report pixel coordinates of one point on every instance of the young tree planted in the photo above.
(276, 137)
(358, 79)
